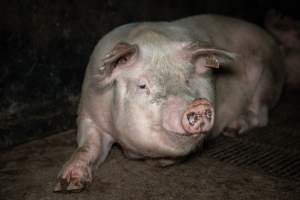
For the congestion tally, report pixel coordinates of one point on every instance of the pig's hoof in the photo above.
(73, 180)
(236, 128)
(231, 132)
(73, 186)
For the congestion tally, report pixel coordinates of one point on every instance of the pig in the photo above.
(287, 33)
(159, 89)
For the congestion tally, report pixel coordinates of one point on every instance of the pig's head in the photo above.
(285, 29)
(162, 87)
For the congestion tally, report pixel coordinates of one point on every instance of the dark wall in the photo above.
(45, 46)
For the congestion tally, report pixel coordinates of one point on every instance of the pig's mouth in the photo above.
(197, 118)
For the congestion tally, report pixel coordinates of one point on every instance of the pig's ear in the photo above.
(121, 55)
(205, 56)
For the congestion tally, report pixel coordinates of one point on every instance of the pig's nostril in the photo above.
(208, 114)
(192, 118)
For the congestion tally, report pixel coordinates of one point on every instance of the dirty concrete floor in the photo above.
(28, 172)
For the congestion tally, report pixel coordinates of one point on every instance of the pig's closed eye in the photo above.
(142, 86)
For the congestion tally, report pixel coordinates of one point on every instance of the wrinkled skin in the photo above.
(159, 89)
(287, 32)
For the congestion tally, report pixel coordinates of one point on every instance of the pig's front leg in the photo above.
(93, 148)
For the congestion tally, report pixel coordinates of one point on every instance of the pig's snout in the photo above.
(199, 117)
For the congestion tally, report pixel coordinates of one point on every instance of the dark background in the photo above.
(45, 46)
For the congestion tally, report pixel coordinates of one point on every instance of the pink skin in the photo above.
(172, 115)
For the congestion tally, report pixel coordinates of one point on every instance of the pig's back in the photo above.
(226, 32)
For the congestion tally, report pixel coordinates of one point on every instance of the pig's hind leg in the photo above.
(266, 95)
(93, 148)
(255, 116)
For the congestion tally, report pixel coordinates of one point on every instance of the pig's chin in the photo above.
(179, 131)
